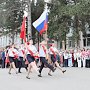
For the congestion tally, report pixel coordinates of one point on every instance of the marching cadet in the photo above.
(21, 57)
(31, 54)
(53, 52)
(13, 55)
(43, 58)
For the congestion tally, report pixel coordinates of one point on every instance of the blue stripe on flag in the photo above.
(40, 27)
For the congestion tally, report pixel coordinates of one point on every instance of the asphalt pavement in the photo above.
(73, 79)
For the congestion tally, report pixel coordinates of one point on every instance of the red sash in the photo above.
(44, 49)
(32, 54)
(26, 62)
(7, 59)
(53, 52)
(23, 52)
(15, 55)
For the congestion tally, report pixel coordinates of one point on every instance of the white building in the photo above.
(84, 40)
(6, 40)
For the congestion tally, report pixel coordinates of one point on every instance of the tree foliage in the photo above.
(60, 17)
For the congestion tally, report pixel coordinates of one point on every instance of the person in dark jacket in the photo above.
(3, 58)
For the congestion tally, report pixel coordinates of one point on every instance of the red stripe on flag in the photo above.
(45, 27)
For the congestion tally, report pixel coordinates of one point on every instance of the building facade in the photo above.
(6, 40)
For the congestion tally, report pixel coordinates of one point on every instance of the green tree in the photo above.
(12, 12)
(36, 11)
(60, 15)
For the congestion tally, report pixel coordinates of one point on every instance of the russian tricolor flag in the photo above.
(41, 24)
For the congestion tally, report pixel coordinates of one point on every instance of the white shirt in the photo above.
(21, 53)
(41, 52)
(10, 52)
(75, 56)
(54, 49)
(78, 55)
(69, 55)
(32, 48)
(65, 55)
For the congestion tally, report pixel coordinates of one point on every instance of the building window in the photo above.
(88, 41)
(84, 42)
(70, 43)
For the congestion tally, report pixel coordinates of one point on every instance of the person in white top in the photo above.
(87, 58)
(21, 57)
(12, 54)
(31, 53)
(70, 59)
(53, 52)
(83, 55)
(79, 58)
(65, 59)
(43, 53)
(75, 58)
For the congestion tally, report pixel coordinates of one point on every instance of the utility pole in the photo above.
(29, 32)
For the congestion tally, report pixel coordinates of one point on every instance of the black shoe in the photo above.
(49, 74)
(26, 69)
(27, 77)
(9, 73)
(16, 72)
(54, 69)
(64, 71)
(39, 71)
(19, 72)
(39, 75)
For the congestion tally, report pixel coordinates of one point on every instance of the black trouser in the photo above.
(44, 62)
(3, 63)
(75, 63)
(88, 63)
(20, 63)
(65, 62)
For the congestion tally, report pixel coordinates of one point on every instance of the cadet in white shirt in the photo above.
(43, 53)
(21, 57)
(31, 52)
(53, 52)
(12, 54)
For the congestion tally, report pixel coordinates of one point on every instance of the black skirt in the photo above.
(53, 59)
(11, 59)
(30, 58)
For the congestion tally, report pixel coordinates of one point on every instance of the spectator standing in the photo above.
(70, 59)
(66, 55)
(79, 58)
(3, 58)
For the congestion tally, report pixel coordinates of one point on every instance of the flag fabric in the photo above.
(23, 30)
(41, 24)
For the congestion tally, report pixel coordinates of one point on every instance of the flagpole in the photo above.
(46, 39)
(38, 40)
(46, 7)
(29, 20)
